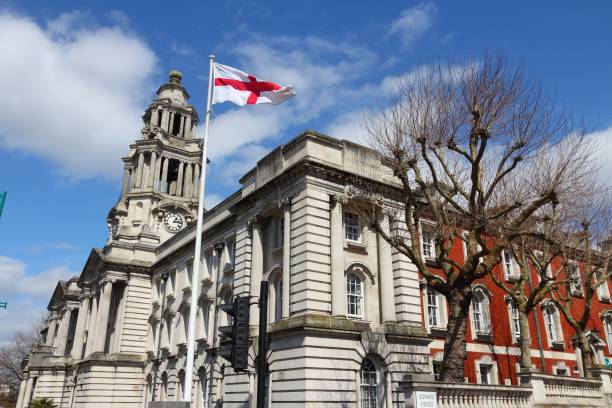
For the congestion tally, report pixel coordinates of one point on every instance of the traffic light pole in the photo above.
(262, 353)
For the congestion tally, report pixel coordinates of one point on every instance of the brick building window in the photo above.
(435, 308)
(552, 322)
(515, 323)
(481, 318)
(607, 324)
(511, 268)
(573, 274)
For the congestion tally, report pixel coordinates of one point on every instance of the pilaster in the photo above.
(337, 257)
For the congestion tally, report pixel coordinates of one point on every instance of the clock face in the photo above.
(173, 221)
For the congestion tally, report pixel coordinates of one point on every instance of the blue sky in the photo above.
(77, 76)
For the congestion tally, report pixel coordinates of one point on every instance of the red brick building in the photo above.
(493, 330)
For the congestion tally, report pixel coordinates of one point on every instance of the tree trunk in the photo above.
(525, 341)
(587, 354)
(455, 351)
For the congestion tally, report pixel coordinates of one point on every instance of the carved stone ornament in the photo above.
(251, 222)
(337, 198)
(105, 281)
(285, 204)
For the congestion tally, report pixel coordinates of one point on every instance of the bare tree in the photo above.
(477, 150)
(585, 257)
(12, 355)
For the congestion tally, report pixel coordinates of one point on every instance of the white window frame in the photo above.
(426, 230)
(379, 386)
(484, 318)
(509, 262)
(355, 298)
(440, 308)
(487, 361)
(515, 322)
(552, 323)
(607, 326)
(603, 290)
(348, 215)
(278, 300)
(466, 234)
(575, 288)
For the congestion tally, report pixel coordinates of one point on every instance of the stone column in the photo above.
(179, 180)
(22, 387)
(385, 269)
(91, 326)
(196, 181)
(103, 313)
(286, 207)
(164, 179)
(79, 331)
(187, 133)
(170, 122)
(256, 265)
(182, 126)
(51, 331)
(152, 170)
(158, 165)
(337, 259)
(27, 392)
(164, 123)
(62, 333)
(188, 180)
(126, 180)
(140, 170)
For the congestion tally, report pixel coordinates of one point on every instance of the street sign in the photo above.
(425, 399)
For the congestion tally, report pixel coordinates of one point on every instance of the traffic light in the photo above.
(234, 345)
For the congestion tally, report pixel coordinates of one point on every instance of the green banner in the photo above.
(2, 198)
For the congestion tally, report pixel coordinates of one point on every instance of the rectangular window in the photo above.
(510, 266)
(437, 369)
(279, 232)
(516, 323)
(477, 316)
(562, 372)
(428, 244)
(573, 274)
(485, 373)
(433, 308)
(550, 326)
(352, 229)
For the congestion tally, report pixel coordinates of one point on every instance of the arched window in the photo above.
(481, 319)
(607, 324)
(278, 300)
(370, 385)
(354, 296)
(553, 324)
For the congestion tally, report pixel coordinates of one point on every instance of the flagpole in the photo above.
(195, 279)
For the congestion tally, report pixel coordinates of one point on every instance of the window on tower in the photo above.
(176, 124)
(159, 117)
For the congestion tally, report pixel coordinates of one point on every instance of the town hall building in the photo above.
(351, 320)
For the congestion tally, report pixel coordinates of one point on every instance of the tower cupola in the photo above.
(170, 111)
(161, 177)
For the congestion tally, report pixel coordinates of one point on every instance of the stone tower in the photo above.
(160, 178)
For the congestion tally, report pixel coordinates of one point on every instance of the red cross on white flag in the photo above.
(235, 86)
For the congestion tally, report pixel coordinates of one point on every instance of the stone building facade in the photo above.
(346, 325)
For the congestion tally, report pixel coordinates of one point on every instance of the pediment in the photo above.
(93, 267)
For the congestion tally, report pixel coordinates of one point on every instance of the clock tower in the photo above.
(160, 177)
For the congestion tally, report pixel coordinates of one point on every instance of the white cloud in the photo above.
(181, 49)
(414, 22)
(348, 126)
(603, 143)
(323, 74)
(15, 280)
(74, 91)
(27, 294)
